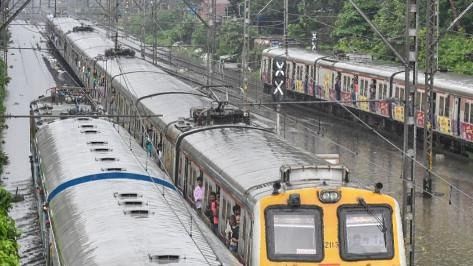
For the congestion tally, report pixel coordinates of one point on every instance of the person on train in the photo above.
(198, 194)
(373, 95)
(228, 229)
(338, 88)
(231, 222)
(213, 204)
(235, 233)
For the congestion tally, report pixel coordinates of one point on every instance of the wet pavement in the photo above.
(30, 75)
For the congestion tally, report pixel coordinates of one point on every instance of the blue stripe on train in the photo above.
(106, 176)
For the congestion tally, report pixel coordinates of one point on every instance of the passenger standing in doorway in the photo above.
(373, 96)
(235, 233)
(338, 88)
(199, 194)
(214, 211)
(354, 90)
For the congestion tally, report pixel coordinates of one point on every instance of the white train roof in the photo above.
(92, 223)
(461, 85)
(92, 44)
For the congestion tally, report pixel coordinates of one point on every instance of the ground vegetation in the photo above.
(8, 231)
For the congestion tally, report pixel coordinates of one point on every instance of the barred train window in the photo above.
(365, 233)
(467, 113)
(294, 234)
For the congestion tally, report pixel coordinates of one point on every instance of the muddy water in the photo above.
(30, 77)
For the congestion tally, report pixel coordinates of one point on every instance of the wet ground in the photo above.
(30, 73)
(444, 223)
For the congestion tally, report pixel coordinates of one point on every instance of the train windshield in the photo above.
(366, 232)
(294, 234)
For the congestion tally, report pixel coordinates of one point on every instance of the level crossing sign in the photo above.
(279, 77)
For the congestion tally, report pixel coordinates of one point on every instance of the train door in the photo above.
(455, 116)
(467, 120)
(225, 212)
(443, 113)
(191, 173)
(243, 240)
(310, 80)
(305, 78)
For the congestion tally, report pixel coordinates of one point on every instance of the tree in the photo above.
(230, 41)
(390, 20)
(351, 30)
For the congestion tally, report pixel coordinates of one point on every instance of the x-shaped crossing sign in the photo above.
(278, 87)
(314, 41)
(279, 72)
(279, 77)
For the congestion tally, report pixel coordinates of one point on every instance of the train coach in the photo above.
(313, 76)
(102, 200)
(295, 208)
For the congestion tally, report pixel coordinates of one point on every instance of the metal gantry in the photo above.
(409, 145)
(428, 105)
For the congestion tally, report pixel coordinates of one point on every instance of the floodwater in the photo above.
(443, 224)
(30, 74)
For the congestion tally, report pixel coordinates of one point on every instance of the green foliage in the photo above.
(390, 21)
(352, 31)
(454, 51)
(8, 232)
(229, 38)
(199, 36)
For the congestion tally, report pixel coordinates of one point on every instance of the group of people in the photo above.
(354, 86)
(211, 211)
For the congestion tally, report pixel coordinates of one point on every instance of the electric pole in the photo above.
(154, 16)
(409, 145)
(143, 35)
(286, 19)
(211, 35)
(246, 48)
(428, 106)
(116, 24)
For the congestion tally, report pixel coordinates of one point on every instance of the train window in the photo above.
(468, 115)
(365, 232)
(441, 106)
(471, 113)
(294, 234)
(447, 106)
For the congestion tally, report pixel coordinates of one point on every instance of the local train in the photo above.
(313, 76)
(295, 208)
(102, 199)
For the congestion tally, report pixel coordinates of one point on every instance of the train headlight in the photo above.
(329, 196)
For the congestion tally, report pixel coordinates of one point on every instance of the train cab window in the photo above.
(365, 232)
(294, 234)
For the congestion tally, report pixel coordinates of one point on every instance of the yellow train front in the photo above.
(329, 226)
